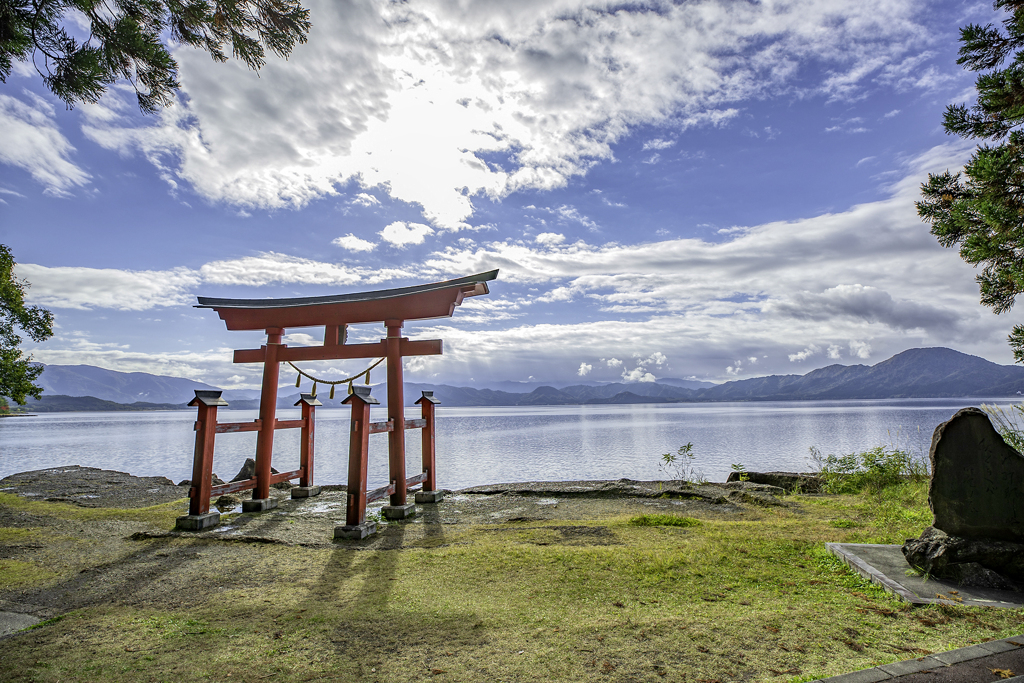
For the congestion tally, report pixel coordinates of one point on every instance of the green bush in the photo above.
(872, 470)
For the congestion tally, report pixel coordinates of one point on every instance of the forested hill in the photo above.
(917, 373)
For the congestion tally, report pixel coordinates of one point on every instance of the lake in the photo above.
(503, 444)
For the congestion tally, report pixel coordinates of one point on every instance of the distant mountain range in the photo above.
(917, 373)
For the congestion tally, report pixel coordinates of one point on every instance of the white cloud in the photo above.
(572, 214)
(403, 234)
(270, 268)
(801, 356)
(125, 290)
(614, 363)
(549, 238)
(353, 243)
(860, 349)
(31, 141)
(658, 143)
(833, 352)
(585, 369)
(422, 92)
(637, 375)
(363, 199)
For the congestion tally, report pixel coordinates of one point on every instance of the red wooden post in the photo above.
(268, 413)
(202, 463)
(309, 404)
(358, 456)
(396, 413)
(427, 403)
(306, 447)
(199, 516)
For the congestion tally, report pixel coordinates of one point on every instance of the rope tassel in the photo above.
(332, 392)
(314, 390)
(298, 381)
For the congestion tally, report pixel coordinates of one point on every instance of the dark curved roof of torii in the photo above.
(434, 300)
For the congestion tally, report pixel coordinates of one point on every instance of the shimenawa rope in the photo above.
(332, 383)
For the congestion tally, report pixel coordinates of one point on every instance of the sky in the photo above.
(716, 189)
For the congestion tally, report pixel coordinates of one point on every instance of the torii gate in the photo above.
(393, 307)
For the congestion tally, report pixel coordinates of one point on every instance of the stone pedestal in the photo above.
(197, 522)
(399, 511)
(305, 491)
(356, 532)
(427, 497)
(259, 504)
(979, 562)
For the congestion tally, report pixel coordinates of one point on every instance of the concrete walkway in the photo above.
(975, 664)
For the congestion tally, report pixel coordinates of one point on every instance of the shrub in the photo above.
(871, 470)
(664, 520)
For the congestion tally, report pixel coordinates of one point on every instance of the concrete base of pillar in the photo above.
(197, 522)
(357, 532)
(259, 504)
(428, 497)
(399, 511)
(305, 491)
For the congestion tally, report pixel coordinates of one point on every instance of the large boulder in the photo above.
(977, 485)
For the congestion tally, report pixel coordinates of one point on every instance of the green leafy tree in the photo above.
(981, 209)
(126, 40)
(17, 374)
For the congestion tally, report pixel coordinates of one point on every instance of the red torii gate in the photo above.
(393, 307)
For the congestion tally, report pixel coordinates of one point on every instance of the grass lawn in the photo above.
(751, 597)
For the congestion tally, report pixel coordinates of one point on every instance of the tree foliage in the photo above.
(981, 210)
(17, 374)
(126, 40)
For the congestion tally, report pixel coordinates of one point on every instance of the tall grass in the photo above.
(1009, 423)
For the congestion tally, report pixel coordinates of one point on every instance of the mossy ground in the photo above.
(747, 597)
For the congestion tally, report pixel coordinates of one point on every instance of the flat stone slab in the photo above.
(92, 487)
(886, 566)
(11, 622)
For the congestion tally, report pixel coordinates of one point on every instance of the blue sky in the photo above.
(716, 189)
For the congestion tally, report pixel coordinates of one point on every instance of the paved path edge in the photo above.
(888, 672)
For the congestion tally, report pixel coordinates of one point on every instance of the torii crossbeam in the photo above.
(393, 307)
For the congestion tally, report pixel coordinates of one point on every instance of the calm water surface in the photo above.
(490, 445)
